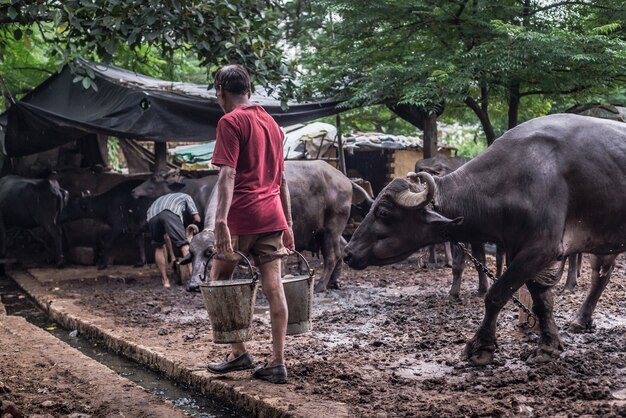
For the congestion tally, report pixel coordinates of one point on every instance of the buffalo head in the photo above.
(399, 223)
(159, 184)
(201, 248)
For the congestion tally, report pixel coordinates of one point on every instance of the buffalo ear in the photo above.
(433, 218)
(185, 260)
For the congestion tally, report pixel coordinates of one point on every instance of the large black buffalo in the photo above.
(320, 204)
(549, 188)
(119, 210)
(442, 165)
(28, 203)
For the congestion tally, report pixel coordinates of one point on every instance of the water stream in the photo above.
(18, 303)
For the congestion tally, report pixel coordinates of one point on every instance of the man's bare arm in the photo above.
(225, 186)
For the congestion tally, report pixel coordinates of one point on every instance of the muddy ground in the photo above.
(388, 343)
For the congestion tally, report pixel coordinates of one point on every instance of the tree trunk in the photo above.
(430, 135)
(424, 120)
(483, 116)
(514, 102)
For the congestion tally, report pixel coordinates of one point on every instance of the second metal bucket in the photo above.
(299, 295)
(230, 305)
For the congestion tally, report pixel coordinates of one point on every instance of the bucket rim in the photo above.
(291, 279)
(224, 283)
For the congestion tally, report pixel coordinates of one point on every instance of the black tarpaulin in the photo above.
(127, 105)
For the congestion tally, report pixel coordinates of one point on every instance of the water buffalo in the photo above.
(119, 210)
(320, 205)
(28, 203)
(162, 183)
(548, 188)
(442, 165)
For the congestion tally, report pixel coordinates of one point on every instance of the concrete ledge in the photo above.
(249, 398)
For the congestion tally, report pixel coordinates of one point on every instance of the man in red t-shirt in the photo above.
(253, 205)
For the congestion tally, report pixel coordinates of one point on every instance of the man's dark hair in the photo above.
(233, 79)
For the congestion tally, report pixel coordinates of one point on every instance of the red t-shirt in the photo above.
(250, 141)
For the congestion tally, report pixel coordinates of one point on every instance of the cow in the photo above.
(28, 203)
(441, 165)
(548, 188)
(161, 183)
(320, 205)
(119, 210)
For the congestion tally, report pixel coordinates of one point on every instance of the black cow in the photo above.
(161, 183)
(119, 210)
(442, 165)
(28, 203)
(320, 205)
(549, 188)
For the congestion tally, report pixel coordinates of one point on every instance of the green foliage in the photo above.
(218, 32)
(508, 60)
(113, 152)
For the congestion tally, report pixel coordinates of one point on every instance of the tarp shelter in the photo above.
(126, 105)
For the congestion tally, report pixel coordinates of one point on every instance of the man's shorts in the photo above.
(264, 247)
(167, 222)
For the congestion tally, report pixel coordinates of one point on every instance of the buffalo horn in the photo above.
(415, 200)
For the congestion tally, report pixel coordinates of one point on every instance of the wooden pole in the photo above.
(341, 156)
(160, 156)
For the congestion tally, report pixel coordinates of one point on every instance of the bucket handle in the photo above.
(253, 274)
(308, 267)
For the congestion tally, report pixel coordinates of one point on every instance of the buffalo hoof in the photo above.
(544, 354)
(61, 263)
(102, 266)
(579, 326)
(477, 354)
(454, 297)
(319, 287)
(140, 264)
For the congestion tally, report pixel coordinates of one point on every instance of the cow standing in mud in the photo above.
(549, 188)
(321, 198)
(28, 203)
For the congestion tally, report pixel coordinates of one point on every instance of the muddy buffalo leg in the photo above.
(479, 350)
(54, 232)
(478, 250)
(447, 246)
(601, 269)
(432, 257)
(458, 265)
(141, 246)
(331, 251)
(550, 345)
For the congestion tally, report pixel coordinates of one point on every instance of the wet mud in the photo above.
(388, 343)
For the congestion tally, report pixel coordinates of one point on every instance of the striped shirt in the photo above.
(174, 202)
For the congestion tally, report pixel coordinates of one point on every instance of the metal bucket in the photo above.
(299, 295)
(230, 304)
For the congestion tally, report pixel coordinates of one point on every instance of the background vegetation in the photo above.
(394, 64)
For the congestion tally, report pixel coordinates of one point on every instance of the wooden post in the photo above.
(160, 156)
(341, 156)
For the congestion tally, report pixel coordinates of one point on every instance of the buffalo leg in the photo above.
(579, 264)
(500, 256)
(333, 283)
(478, 250)
(3, 242)
(141, 246)
(107, 244)
(479, 350)
(550, 345)
(432, 257)
(572, 271)
(53, 230)
(458, 265)
(601, 269)
(331, 251)
(448, 252)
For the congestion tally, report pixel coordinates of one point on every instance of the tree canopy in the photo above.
(485, 55)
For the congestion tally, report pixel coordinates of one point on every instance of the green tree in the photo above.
(493, 57)
(216, 31)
